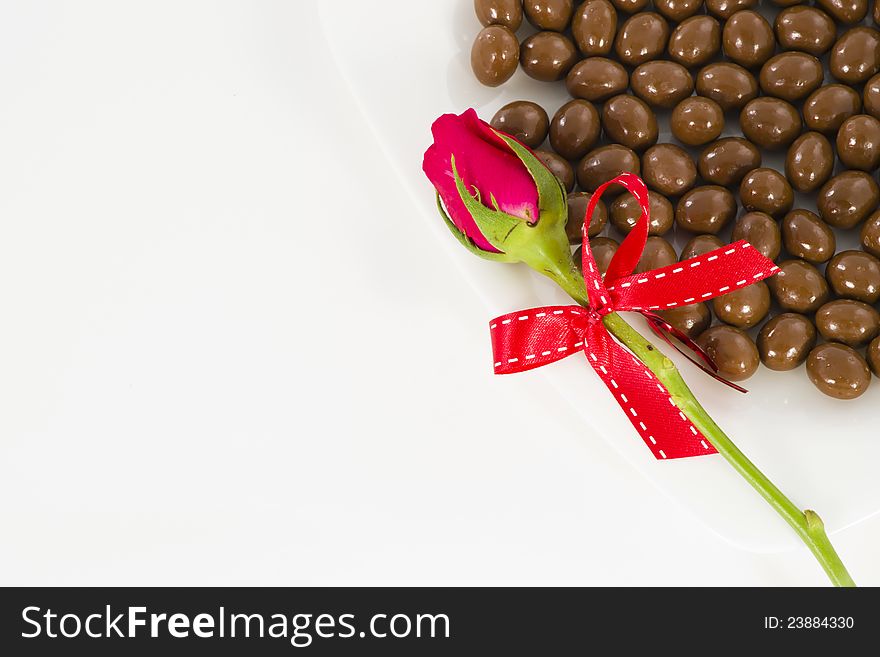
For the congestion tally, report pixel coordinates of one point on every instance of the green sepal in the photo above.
(467, 242)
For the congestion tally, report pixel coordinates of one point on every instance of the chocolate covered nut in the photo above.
(525, 120)
(728, 84)
(870, 234)
(596, 78)
(807, 237)
(625, 212)
(658, 253)
(547, 56)
(744, 307)
(668, 169)
(854, 275)
(855, 56)
(549, 14)
(858, 142)
(630, 6)
(845, 11)
(798, 287)
(678, 10)
(642, 37)
(574, 129)
(499, 12)
(691, 320)
(593, 26)
(700, 245)
(851, 322)
(695, 41)
(629, 121)
(766, 190)
(847, 199)
(603, 249)
(662, 84)
(828, 107)
(728, 160)
(494, 55)
(558, 167)
(761, 231)
(771, 123)
(732, 351)
(577, 212)
(875, 12)
(838, 371)
(871, 95)
(785, 341)
(606, 163)
(748, 39)
(726, 8)
(705, 209)
(809, 162)
(696, 121)
(873, 354)
(791, 75)
(805, 28)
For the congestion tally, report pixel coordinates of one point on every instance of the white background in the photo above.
(230, 353)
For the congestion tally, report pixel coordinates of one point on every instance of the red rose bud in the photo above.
(497, 198)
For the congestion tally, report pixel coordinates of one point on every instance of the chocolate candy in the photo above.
(705, 209)
(858, 142)
(726, 8)
(695, 41)
(845, 11)
(678, 10)
(658, 253)
(851, 322)
(547, 56)
(700, 245)
(838, 371)
(748, 39)
(766, 190)
(691, 320)
(728, 84)
(728, 160)
(855, 275)
(871, 94)
(668, 169)
(494, 55)
(873, 354)
(785, 341)
(577, 211)
(499, 12)
(603, 249)
(771, 123)
(662, 84)
(847, 199)
(641, 38)
(625, 212)
(593, 26)
(596, 78)
(744, 307)
(605, 163)
(805, 28)
(558, 167)
(798, 287)
(574, 129)
(629, 121)
(855, 56)
(828, 107)
(809, 162)
(525, 120)
(630, 6)
(549, 14)
(791, 75)
(697, 121)
(732, 351)
(870, 234)
(761, 231)
(807, 237)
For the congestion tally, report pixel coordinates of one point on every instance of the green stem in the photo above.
(806, 524)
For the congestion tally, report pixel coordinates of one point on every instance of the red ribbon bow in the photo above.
(532, 338)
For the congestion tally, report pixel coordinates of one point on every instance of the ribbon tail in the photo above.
(666, 430)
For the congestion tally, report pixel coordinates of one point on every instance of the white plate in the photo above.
(823, 453)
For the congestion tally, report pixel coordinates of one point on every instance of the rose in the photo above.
(497, 198)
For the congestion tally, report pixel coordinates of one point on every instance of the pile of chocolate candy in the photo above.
(732, 81)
